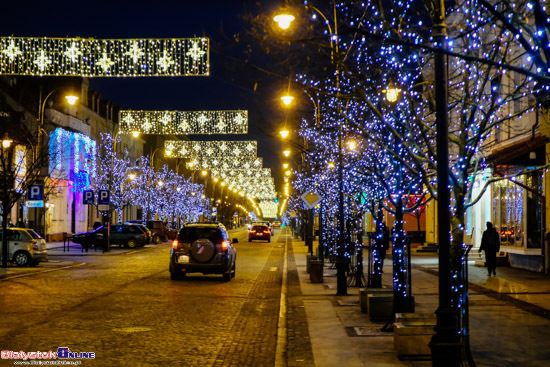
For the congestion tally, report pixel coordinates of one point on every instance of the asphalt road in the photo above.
(126, 310)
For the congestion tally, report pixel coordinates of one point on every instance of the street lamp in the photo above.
(6, 141)
(284, 133)
(284, 20)
(287, 99)
(392, 93)
(286, 152)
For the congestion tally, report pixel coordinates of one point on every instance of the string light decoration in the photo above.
(184, 122)
(224, 163)
(212, 148)
(89, 57)
(71, 152)
(269, 208)
(241, 173)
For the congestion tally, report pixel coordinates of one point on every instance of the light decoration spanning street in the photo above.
(241, 173)
(212, 148)
(269, 208)
(89, 57)
(225, 163)
(184, 122)
(261, 189)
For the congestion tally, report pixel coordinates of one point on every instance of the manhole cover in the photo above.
(132, 329)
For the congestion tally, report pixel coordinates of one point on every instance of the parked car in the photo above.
(25, 246)
(159, 231)
(259, 232)
(146, 230)
(203, 248)
(127, 235)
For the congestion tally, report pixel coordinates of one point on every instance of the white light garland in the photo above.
(88, 57)
(184, 122)
(212, 148)
(225, 163)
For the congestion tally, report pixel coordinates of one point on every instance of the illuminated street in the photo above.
(127, 310)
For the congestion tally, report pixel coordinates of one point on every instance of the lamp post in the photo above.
(446, 345)
(340, 258)
(6, 181)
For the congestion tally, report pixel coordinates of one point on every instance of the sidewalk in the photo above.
(509, 316)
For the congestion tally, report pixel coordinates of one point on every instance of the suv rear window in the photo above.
(259, 228)
(191, 234)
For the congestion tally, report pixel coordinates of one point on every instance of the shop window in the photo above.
(508, 212)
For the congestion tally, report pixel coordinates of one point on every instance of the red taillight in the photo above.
(175, 244)
(225, 245)
(252, 231)
(267, 231)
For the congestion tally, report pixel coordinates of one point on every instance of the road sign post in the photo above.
(103, 200)
(310, 199)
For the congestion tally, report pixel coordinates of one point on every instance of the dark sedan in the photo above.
(121, 234)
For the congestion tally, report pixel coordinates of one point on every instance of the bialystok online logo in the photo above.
(62, 353)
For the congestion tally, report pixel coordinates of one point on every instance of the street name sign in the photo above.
(34, 203)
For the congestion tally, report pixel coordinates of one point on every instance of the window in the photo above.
(508, 212)
(191, 234)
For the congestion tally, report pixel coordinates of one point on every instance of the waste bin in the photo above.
(308, 262)
(316, 271)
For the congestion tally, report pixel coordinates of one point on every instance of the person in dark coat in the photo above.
(490, 243)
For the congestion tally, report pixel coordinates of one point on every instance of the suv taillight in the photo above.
(175, 244)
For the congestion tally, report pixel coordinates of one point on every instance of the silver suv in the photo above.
(25, 246)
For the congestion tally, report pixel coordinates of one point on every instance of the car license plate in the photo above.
(183, 259)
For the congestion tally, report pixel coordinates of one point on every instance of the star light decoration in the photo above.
(212, 148)
(225, 163)
(269, 208)
(184, 122)
(88, 57)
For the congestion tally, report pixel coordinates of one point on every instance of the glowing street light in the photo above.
(331, 165)
(160, 182)
(283, 20)
(288, 173)
(204, 172)
(132, 176)
(286, 152)
(287, 99)
(352, 144)
(392, 93)
(71, 99)
(285, 165)
(6, 141)
(284, 133)
(135, 134)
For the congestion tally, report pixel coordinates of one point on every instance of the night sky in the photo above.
(229, 86)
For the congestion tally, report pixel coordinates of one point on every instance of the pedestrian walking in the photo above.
(490, 243)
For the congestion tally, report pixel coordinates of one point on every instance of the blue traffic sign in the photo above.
(88, 197)
(36, 192)
(103, 197)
